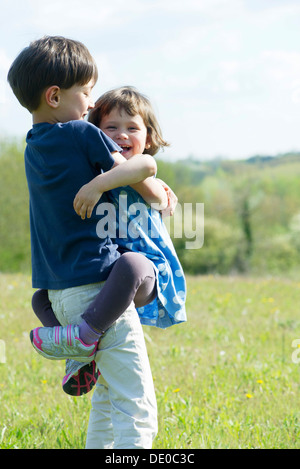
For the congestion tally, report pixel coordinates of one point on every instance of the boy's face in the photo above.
(75, 102)
(129, 132)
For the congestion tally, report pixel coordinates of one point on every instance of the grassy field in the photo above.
(226, 379)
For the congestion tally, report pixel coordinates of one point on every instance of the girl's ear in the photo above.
(52, 96)
(148, 141)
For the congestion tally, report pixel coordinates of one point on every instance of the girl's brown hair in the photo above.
(130, 100)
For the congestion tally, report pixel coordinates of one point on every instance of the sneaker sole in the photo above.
(83, 382)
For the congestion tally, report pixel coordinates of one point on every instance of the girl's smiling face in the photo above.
(129, 132)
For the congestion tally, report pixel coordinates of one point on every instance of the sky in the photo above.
(223, 75)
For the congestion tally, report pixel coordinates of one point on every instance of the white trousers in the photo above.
(124, 411)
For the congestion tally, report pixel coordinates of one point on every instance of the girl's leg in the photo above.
(43, 309)
(81, 379)
(131, 279)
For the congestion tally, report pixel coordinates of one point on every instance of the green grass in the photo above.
(226, 379)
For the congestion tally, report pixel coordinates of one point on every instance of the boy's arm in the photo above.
(124, 172)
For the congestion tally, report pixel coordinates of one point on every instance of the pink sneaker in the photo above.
(58, 343)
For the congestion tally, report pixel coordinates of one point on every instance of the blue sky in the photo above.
(223, 75)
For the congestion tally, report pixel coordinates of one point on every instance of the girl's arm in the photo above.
(123, 173)
(150, 189)
(152, 192)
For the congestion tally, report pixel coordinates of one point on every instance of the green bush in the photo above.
(223, 247)
(275, 255)
(14, 217)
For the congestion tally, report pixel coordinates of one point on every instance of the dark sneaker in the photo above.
(80, 377)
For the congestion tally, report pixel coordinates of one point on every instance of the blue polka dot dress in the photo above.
(141, 229)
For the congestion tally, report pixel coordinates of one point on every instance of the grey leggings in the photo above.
(132, 278)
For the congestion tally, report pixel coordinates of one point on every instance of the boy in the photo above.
(53, 78)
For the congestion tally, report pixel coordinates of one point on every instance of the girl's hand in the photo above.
(172, 200)
(86, 199)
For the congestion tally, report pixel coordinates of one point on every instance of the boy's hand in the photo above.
(86, 199)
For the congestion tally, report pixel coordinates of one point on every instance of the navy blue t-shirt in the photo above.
(59, 160)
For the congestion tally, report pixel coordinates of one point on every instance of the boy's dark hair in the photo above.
(51, 60)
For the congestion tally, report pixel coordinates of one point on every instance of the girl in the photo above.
(127, 117)
(148, 272)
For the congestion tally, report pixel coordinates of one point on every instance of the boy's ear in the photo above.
(52, 96)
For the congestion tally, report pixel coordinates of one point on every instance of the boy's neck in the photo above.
(45, 113)
(40, 117)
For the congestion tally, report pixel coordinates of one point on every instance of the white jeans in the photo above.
(124, 411)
